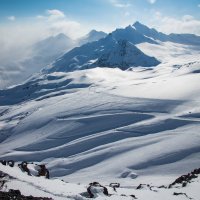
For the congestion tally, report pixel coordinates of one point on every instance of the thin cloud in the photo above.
(118, 4)
(55, 14)
(56, 22)
(185, 24)
(152, 1)
(24, 33)
(199, 5)
(12, 18)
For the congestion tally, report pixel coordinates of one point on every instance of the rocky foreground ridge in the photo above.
(94, 189)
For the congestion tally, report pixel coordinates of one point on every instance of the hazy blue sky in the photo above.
(100, 10)
(102, 14)
(24, 22)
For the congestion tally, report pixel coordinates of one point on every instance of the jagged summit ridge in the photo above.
(188, 39)
(106, 52)
(124, 55)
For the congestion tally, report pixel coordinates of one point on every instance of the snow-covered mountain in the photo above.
(39, 55)
(92, 36)
(53, 46)
(188, 39)
(47, 50)
(117, 50)
(105, 124)
(107, 52)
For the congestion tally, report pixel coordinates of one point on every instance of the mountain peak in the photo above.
(92, 36)
(61, 36)
(93, 31)
(141, 27)
(137, 23)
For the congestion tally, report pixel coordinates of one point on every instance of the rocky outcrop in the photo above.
(95, 188)
(185, 179)
(16, 195)
(114, 186)
(40, 170)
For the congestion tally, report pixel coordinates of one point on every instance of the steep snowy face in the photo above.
(125, 55)
(107, 52)
(92, 36)
(152, 33)
(131, 34)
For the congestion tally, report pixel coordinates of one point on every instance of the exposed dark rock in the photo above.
(11, 163)
(15, 192)
(3, 179)
(24, 167)
(184, 179)
(132, 195)
(196, 171)
(43, 171)
(163, 186)
(139, 187)
(184, 184)
(181, 193)
(96, 185)
(3, 162)
(114, 186)
(16, 195)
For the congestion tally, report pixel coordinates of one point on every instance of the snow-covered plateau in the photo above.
(138, 126)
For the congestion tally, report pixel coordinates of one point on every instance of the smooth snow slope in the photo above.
(106, 124)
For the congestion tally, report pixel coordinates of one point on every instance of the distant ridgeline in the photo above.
(118, 49)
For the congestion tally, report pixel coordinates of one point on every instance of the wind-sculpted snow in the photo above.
(109, 122)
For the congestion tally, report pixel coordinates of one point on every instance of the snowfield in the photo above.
(136, 126)
(104, 122)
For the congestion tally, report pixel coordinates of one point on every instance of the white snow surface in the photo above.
(104, 124)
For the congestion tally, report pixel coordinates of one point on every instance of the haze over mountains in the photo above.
(92, 36)
(40, 55)
(48, 50)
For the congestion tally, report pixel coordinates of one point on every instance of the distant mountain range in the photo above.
(48, 50)
(41, 54)
(188, 39)
(107, 52)
(61, 53)
(117, 49)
